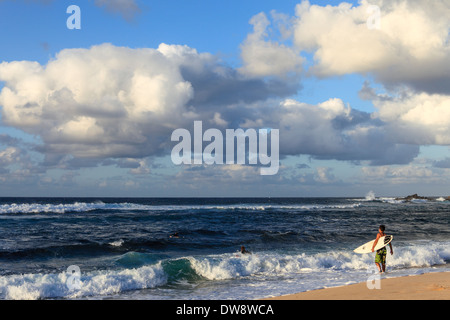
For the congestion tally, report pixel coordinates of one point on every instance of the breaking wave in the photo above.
(77, 207)
(213, 268)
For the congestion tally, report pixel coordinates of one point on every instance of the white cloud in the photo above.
(324, 175)
(219, 121)
(417, 118)
(10, 155)
(309, 128)
(332, 130)
(143, 169)
(102, 101)
(117, 102)
(267, 58)
(410, 47)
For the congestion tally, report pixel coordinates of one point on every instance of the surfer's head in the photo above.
(382, 228)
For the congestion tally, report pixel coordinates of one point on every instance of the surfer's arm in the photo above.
(375, 243)
(392, 251)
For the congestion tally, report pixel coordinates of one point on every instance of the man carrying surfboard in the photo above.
(380, 257)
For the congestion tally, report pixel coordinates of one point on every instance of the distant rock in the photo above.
(415, 197)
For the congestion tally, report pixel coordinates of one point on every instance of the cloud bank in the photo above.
(117, 105)
(408, 54)
(117, 102)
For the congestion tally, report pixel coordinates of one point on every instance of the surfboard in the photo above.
(367, 247)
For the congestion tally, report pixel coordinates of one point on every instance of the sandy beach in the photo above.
(430, 286)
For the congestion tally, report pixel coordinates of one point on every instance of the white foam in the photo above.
(98, 283)
(231, 266)
(419, 200)
(390, 200)
(54, 208)
(270, 274)
(117, 243)
(36, 208)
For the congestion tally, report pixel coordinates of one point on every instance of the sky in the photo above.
(359, 91)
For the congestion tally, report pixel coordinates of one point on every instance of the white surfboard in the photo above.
(367, 247)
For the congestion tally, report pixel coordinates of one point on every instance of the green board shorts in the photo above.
(380, 257)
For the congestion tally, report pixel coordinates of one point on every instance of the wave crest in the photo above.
(35, 208)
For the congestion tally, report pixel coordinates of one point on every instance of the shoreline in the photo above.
(427, 286)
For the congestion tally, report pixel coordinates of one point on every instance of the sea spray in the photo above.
(370, 196)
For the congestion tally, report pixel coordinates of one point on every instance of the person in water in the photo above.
(380, 257)
(244, 251)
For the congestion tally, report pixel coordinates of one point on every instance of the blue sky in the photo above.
(90, 112)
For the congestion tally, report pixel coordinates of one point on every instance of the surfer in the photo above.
(380, 257)
(244, 251)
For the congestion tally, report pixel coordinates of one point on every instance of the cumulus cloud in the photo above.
(97, 102)
(9, 156)
(324, 175)
(407, 51)
(333, 130)
(263, 57)
(108, 102)
(417, 118)
(88, 105)
(116, 102)
(410, 47)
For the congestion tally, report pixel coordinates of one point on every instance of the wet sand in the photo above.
(429, 286)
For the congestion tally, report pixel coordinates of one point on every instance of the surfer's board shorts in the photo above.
(380, 257)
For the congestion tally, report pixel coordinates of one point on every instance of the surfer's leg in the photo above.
(380, 260)
(383, 261)
(378, 266)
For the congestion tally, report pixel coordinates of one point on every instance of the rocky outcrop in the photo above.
(415, 197)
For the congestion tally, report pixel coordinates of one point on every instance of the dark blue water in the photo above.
(124, 249)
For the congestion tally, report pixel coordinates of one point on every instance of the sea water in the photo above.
(125, 248)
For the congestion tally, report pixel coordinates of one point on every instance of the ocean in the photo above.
(124, 248)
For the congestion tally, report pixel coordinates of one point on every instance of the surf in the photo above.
(138, 271)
